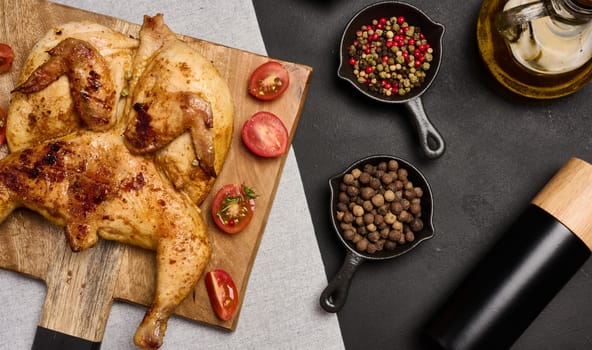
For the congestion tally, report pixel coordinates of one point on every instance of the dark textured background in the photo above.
(501, 149)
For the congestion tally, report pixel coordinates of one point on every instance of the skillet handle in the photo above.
(335, 294)
(430, 140)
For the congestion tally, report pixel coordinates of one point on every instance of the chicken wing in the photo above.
(158, 123)
(49, 113)
(91, 88)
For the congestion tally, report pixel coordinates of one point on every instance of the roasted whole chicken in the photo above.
(122, 139)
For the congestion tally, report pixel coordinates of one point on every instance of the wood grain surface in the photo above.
(82, 286)
(568, 197)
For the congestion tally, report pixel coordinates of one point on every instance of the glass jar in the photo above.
(537, 48)
(549, 36)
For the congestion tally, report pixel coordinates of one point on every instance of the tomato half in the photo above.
(2, 126)
(6, 57)
(222, 292)
(269, 81)
(265, 135)
(232, 208)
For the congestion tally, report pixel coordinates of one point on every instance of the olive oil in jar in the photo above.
(550, 44)
(538, 49)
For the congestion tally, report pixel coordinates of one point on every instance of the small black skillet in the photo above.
(335, 294)
(431, 142)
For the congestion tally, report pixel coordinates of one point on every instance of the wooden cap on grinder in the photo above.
(568, 198)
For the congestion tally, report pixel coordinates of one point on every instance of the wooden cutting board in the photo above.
(82, 286)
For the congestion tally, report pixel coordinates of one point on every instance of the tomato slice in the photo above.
(265, 135)
(2, 126)
(232, 208)
(6, 57)
(222, 292)
(269, 81)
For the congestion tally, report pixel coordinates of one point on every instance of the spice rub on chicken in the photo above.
(131, 168)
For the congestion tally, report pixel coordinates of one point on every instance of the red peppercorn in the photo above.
(405, 55)
(417, 63)
(369, 70)
(352, 61)
(375, 37)
(385, 59)
(389, 43)
(382, 20)
(400, 20)
(411, 42)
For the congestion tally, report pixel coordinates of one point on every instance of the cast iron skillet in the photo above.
(431, 142)
(335, 294)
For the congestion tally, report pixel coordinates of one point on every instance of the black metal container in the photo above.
(528, 266)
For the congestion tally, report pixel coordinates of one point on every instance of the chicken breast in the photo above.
(167, 69)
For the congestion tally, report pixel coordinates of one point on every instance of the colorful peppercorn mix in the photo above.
(390, 57)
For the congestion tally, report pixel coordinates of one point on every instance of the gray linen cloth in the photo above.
(280, 309)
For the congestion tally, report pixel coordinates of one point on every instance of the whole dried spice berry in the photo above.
(374, 215)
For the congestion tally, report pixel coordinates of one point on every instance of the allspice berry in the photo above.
(378, 200)
(379, 207)
(362, 245)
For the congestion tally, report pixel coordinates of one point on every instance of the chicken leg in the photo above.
(88, 183)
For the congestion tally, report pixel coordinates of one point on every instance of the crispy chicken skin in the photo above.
(166, 69)
(49, 113)
(133, 178)
(152, 128)
(89, 183)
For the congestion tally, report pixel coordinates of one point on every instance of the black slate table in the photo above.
(501, 150)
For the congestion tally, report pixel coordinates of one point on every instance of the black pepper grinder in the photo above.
(520, 275)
